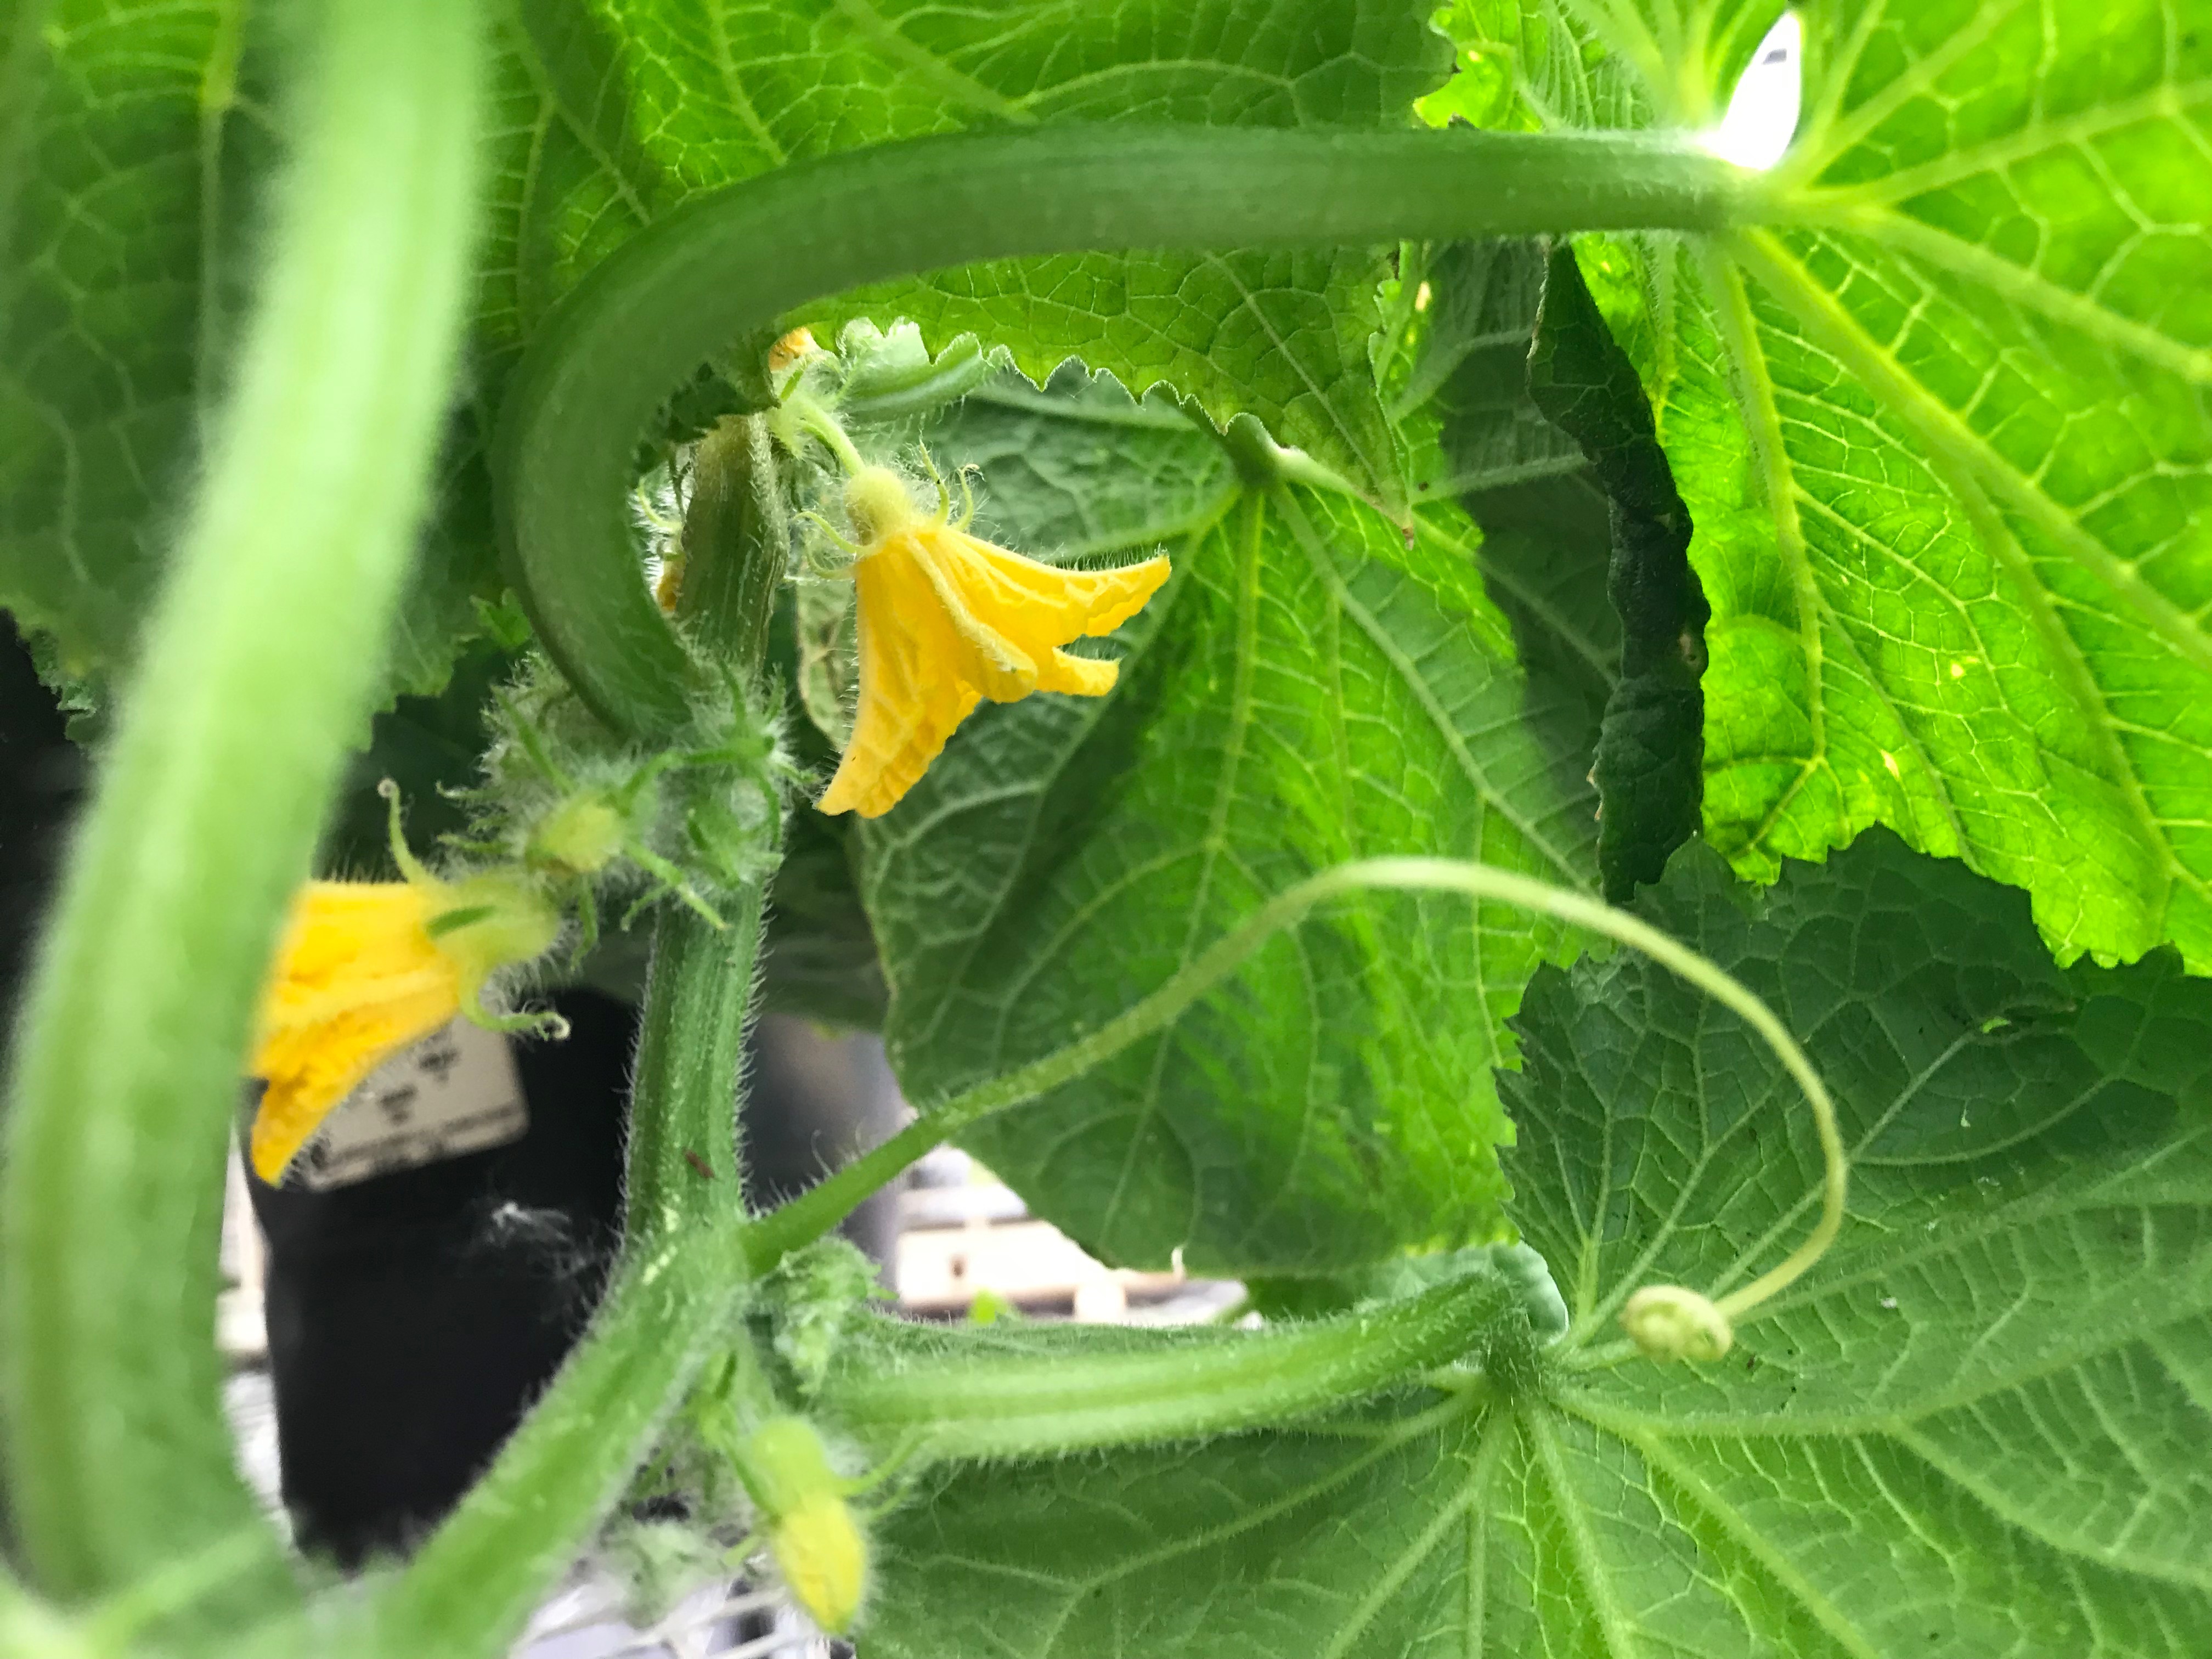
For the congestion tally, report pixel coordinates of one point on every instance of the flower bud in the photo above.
(1669, 1322)
(578, 837)
(818, 1546)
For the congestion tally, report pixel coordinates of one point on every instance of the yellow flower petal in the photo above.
(823, 1560)
(358, 979)
(946, 620)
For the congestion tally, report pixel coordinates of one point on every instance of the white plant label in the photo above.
(455, 1092)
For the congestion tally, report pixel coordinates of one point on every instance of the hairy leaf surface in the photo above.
(1942, 423)
(133, 144)
(615, 116)
(1955, 1439)
(1309, 688)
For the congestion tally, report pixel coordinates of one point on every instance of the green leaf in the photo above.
(431, 747)
(1546, 438)
(1942, 425)
(1651, 743)
(133, 149)
(1546, 534)
(129, 152)
(1958, 1437)
(819, 957)
(1309, 688)
(615, 119)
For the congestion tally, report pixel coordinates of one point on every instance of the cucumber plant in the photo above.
(1638, 868)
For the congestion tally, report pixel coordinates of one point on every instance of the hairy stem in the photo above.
(683, 1141)
(259, 672)
(989, 1404)
(682, 1159)
(472, 1587)
(734, 260)
(735, 541)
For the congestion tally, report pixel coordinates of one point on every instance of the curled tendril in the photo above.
(1671, 1321)
(1665, 1322)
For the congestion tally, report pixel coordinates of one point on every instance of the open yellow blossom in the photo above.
(946, 620)
(367, 967)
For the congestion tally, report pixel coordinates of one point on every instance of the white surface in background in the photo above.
(455, 1092)
(1762, 113)
(250, 1404)
(585, 1621)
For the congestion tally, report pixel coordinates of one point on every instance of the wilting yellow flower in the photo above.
(368, 968)
(668, 585)
(823, 1560)
(819, 1548)
(946, 620)
(791, 349)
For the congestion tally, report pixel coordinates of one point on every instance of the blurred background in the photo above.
(395, 1305)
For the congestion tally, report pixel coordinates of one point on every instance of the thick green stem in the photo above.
(260, 665)
(683, 1162)
(732, 261)
(684, 1159)
(472, 1587)
(736, 539)
(1178, 1386)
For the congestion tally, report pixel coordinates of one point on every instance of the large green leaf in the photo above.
(616, 113)
(1310, 687)
(131, 147)
(1967, 1435)
(1943, 426)
(124, 160)
(1546, 524)
(1542, 432)
(136, 136)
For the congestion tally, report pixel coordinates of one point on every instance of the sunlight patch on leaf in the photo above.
(1943, 427)
(1309, 688)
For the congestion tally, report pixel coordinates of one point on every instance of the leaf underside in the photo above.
(1943, 426)
(138, 137)
(1650, 743)
(1309, 688)
(614, 118)
(1957, 1438)
(137, 142)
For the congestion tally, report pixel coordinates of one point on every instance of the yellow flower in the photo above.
(946, 620)
(819, 1548)
(368, 968)
(792, 348)
(823, 1560)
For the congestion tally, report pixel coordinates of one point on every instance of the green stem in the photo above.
(806, 1218)
(732, 261)
(684, 1159)
(1184, 1384)
(813, 418)
(259, 669)
(473, 1586)
(683, 1097)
